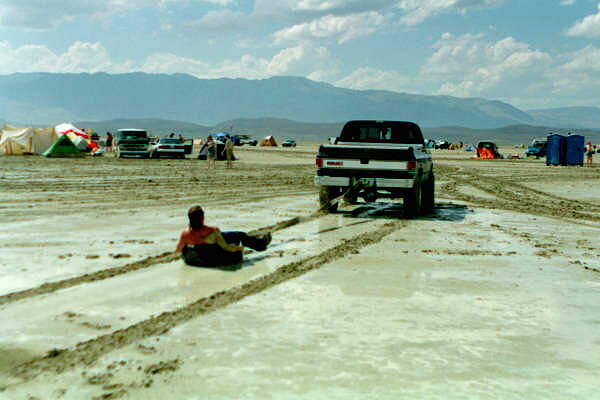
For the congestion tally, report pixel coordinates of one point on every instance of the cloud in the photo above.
(418, 11)
(567, 2)
(366, 78)
(314, 8)
(42, 14)
(300, 60)
(333, 28)
(221, 20)
(469, 65)
(79, 57)
(588, 27)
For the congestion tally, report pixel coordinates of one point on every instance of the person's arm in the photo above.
(224, 245)
(182, 242)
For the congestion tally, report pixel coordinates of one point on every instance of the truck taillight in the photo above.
(319, 162)
(411, 165)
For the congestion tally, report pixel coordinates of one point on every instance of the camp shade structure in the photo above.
(268, 141)
(16, 141)
(63, 147)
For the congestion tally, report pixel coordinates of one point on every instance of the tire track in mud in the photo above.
(147, 262)
(85, 353)
(513, 196)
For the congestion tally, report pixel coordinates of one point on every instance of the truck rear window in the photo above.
(381, 132)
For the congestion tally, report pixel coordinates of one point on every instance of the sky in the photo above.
(530, 53)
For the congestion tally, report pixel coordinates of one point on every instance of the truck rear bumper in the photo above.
(381, 183)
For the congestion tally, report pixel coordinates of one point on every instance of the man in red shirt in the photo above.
(202, 245)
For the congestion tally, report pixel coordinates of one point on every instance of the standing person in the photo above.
(228, 152)
(589, 152)
(109, 142)
(206, 246)
(211, 152)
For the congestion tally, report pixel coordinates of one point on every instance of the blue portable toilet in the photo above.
(575, 150)
(556, 150)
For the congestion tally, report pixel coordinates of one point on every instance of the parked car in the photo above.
(288, 143)
(537, 148)
(245, 139)
(168, 147)
(188, 146)
(132, 143)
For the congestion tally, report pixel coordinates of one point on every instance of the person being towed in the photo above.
(206, 246)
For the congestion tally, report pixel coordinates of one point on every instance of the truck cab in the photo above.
(375, 159)
(132, 143)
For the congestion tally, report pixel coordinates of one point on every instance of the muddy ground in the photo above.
(494, 295)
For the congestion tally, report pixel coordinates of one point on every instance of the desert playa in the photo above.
(494, 295)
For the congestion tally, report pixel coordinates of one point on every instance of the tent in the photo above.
(268, 141)
(63, 147)
(19, 141)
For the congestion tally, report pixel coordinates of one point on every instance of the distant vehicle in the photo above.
(288, 143)
(132, 143)
(246, 139)
(443, 144)
(488, 150)
(537, 148)
(168, 147)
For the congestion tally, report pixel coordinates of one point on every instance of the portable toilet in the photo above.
(575, 149)
(556, 150)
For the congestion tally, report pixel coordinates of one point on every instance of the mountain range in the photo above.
(319, 132)
(46, 98)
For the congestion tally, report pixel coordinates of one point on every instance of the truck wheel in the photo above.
(428, 195)
(412, 201)
(326, 194)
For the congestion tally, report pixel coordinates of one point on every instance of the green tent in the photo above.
(63, 147)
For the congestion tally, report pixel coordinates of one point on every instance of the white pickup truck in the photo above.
(373, 159)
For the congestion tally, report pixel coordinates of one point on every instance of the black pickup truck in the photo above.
(373, 159)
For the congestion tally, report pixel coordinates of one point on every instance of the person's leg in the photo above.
(255, 242)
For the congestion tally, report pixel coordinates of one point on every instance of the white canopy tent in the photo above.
(18, 141)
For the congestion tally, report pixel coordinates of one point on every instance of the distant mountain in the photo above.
(513, 134)
(45, 98)
(319, 132)
(158, 127)
(567, 117)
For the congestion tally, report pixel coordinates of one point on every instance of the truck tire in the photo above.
(412, 201)
(428, 195)
(326, 194)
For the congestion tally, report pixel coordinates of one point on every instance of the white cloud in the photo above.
(588, 27)
(41, 14)
(300, 60)
(418, 11)
(221, 20)
(469, 65)
(335, 28)
(79, 57)
(567, 2)
(371, 78)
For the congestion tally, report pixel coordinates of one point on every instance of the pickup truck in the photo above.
(132, 143)
(373, 159)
